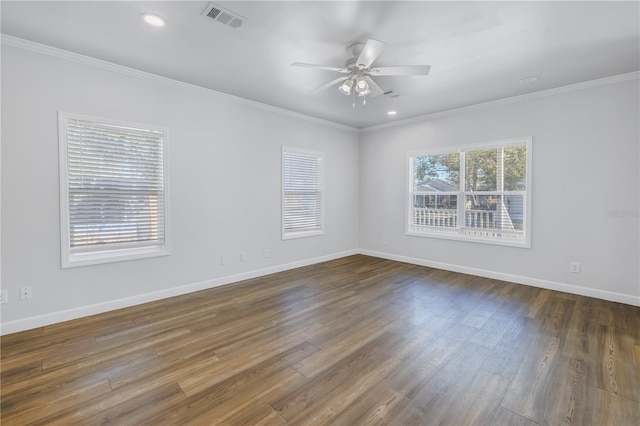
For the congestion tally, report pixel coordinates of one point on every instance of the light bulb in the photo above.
(346, 87)
(361, 85)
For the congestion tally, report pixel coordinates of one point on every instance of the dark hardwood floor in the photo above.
(353, 341)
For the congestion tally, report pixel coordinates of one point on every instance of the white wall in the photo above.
(585, 160)
(224, 168)
(224, 161)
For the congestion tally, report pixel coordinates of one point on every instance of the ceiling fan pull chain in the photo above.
(354, 99)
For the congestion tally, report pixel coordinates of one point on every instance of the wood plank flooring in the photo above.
(355, 341)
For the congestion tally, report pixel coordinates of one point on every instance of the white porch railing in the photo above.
(441, 218)
(480, 223)
(482, 219)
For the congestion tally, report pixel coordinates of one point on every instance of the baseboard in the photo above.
(98, 308)
(518, 279)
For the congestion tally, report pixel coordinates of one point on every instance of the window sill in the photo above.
(301, 234)
(456, 236)
(110, 256)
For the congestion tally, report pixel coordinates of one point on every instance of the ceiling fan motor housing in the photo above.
(351, 64)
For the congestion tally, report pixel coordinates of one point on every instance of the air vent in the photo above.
(224, 16)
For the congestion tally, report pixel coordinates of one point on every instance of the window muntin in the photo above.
(302, 193)
(113, 191)
(478, 193)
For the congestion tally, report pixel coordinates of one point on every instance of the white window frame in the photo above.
(286, 234)
(457, 232)
(110, 252)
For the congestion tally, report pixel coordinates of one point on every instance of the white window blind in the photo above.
(114, 191)
(479, 193)
(302, 193)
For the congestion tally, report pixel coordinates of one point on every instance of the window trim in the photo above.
(525, 243)
(113, 253)
(288, 235)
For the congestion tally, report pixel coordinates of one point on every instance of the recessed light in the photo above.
(529, 79)
(392, 112)
(153, 20)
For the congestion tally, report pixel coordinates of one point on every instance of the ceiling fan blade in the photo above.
(371, 50)
(402, 70)
(331, 83)
(373, 86)
(319, 67)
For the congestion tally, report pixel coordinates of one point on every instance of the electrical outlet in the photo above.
(25, 293)
(265, 253)
(4, 296)
(574, 267)
(223, 260)
(243, 256)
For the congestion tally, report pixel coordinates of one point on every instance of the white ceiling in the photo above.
(478, 51)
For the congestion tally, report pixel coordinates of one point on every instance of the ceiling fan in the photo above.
(358, 71)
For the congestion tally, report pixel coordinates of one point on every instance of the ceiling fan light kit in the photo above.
(359, 72)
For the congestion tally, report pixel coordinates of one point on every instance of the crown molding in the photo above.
(43, 49)
(54, 52)
(506, 101)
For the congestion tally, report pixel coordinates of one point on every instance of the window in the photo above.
(478, 193)
(113, 189)
(302, 193)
